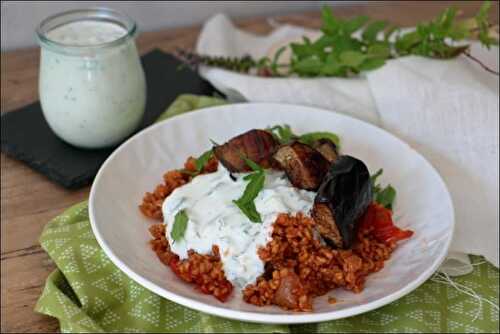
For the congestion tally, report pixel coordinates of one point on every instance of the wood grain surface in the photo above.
(29, 200)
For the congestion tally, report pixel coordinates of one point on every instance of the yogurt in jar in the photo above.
(92, 85)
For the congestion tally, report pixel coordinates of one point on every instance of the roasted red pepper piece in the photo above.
(380, 218)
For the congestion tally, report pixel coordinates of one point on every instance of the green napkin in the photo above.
(88, 293)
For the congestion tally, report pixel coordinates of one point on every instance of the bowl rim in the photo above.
(283, 318)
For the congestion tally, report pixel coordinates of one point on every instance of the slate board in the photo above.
(26, 136)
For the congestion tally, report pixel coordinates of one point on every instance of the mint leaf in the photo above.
(379, 50)
(249, 209)
(255, 167)
(371, 64)
(388, 34)
(246, 203)
(339, 52)
(203, 159)
(180, 225)
(375, 176)
(352, 58)
(372, 30)
(311, 137)
(330, 23)
(308, 66)
(386, 197)
(355, 24)
(383, 196)
(407, 41)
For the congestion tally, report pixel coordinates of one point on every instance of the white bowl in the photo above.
(423, 205)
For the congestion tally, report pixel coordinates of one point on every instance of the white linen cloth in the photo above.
(448, 110)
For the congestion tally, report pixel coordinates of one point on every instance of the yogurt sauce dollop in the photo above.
(87, 32)
(215, 220)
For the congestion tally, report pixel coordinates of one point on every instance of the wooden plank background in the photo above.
(29, 200)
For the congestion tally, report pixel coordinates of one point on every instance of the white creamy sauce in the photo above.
(86, 32)
(215, 220)
(91, 97)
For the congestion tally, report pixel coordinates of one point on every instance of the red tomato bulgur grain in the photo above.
(298, 267)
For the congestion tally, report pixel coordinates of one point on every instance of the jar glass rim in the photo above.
(94, 14)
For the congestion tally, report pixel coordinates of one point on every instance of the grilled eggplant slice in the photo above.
(327, 148)
(304, 166)
(342, 198)
(256, 145)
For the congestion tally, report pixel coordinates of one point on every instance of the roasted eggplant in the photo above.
(304, 166)
(342, 198)
(256, 145)
(327, 148)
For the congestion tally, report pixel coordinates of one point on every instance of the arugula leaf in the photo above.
(283, 133)
(203, 159)
(180, 225)
(246, 203)
(384, 196)
(311, 137)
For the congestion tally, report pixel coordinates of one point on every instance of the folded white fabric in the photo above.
(447, 110)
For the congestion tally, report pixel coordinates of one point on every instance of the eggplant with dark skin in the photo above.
(304, 166)
(342, 198)
(256, 145)
(327, 148)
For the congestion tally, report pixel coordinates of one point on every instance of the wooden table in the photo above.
(29, 200)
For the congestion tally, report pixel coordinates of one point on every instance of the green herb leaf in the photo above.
(355, 24)
(483, 25)
(371, 32)
(388, 34)
(188, 172)
(203, 159)
(375, 176)
(330, 23)
(352, 58)
(283, 133)
(255, 167)
(371, 64)
(180, 225)
(249, 209)
(254, 186)
(379, 50)
(340, 52)
(308, 66)
(311, 137)
(384, 196)
(407, 41)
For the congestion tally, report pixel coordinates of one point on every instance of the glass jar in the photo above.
(92, 86)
